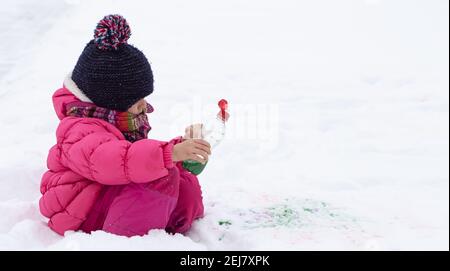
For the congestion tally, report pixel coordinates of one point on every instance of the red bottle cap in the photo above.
(223, 104)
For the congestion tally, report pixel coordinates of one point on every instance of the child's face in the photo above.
(139, 107)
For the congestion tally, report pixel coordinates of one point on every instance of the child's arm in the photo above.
(101, 157)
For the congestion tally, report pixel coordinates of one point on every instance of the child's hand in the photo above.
(192, 149)
(193, 131)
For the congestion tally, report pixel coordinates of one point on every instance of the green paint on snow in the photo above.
(306, 213)
(225, 223)
(310, 210)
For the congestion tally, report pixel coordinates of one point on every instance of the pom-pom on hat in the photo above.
(110, 72)
(111, 31)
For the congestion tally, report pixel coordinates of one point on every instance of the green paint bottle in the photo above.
(213, 133)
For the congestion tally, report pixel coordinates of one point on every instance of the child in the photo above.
(104, 174)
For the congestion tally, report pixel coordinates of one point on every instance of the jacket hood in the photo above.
(67, 94)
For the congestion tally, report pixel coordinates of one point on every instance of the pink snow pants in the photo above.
(171, 203)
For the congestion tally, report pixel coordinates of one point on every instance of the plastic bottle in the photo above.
(213, 132)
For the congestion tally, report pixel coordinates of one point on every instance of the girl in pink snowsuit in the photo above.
(104, 173)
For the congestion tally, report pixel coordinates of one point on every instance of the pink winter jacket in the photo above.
(90, 153)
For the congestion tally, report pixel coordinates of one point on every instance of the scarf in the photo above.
(133, 127)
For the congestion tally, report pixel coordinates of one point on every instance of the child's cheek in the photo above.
(133, 110)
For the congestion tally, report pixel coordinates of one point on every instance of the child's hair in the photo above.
(110, 72)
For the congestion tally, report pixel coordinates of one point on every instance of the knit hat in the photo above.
(110, 72)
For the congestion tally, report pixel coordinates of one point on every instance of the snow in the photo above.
(339, 128)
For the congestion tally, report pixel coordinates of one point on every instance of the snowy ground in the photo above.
(339, 135)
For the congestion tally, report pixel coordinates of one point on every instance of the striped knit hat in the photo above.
(110, 72)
